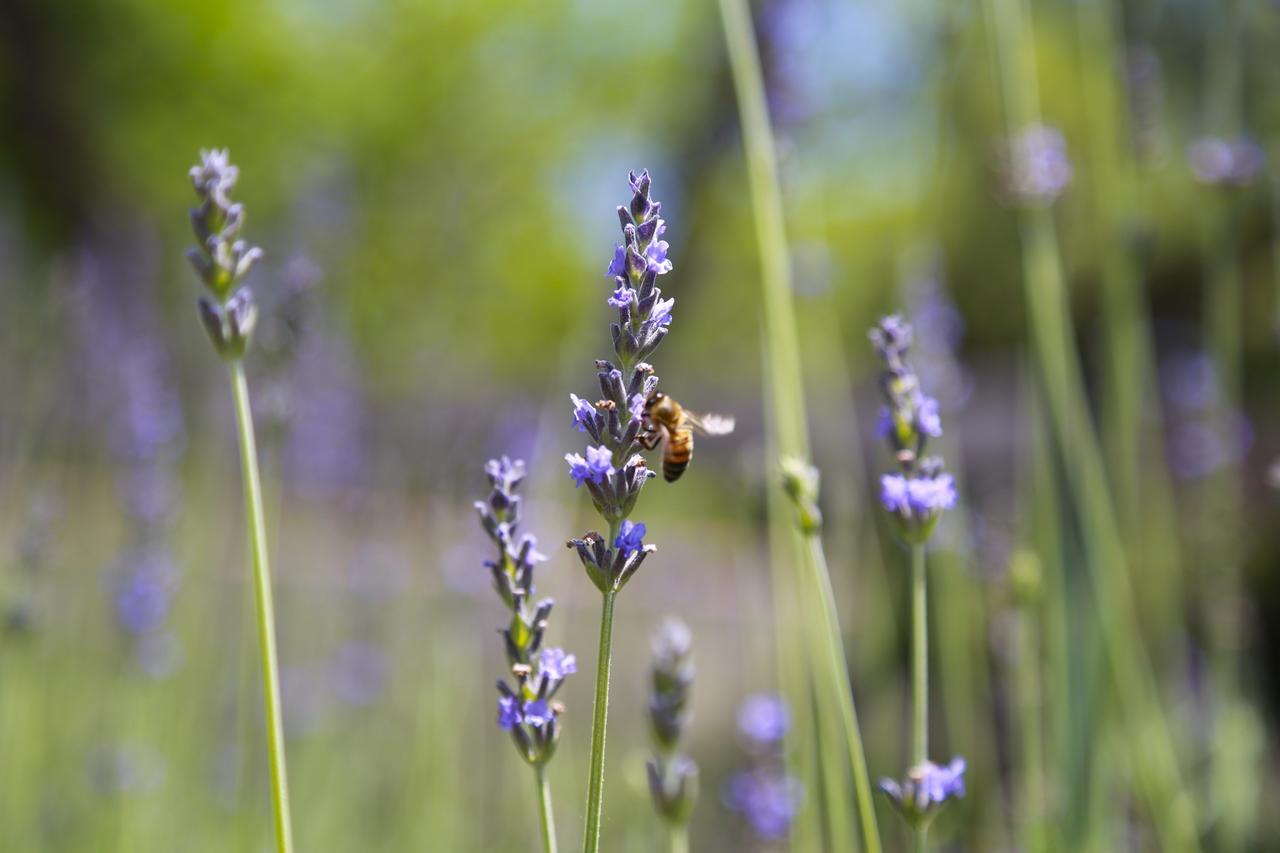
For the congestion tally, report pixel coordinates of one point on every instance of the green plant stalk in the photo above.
(1027, 690)
(841, 698)
(265, 608)
(1154, 757)
(679, 836)
(795, 678)
(546, 816)
(600, 715)
(919, 671)
(786, 386)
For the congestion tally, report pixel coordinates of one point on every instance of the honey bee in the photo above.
(665, 418)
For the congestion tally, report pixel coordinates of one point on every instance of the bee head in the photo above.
(653, 400)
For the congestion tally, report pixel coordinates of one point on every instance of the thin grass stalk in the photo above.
(786, 401)
(265, 608)
(1154, 757)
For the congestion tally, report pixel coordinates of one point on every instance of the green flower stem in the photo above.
(604, 661)
(546, 815)
(919, 670)
(1154, 757)
(679, 838)
(265, 608)
(788, 419)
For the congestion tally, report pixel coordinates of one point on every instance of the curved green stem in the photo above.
(265, 609)
(837, 681)
(595, 783)
(919, 669)
(545, 813)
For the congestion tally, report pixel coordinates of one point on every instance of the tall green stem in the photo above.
(546, 816)
(265, 609)
(595, 783)
(919, 670)
(788, 417)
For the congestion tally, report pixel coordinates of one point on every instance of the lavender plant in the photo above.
(228, 312)
(528, 710)
(611, 467)
(915, 497)
(673, 776)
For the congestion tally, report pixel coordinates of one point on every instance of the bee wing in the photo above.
(710, 424)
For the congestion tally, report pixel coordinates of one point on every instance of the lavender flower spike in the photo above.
(918, 492)
(221, 258)
(525, 709)
(673, 777)
(613, 469)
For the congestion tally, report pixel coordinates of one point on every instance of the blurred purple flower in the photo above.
(1222, 161)
(557, 665)
(926, 789)
(768, 801)
(509, 714)
(1037, 168)
(764, 719)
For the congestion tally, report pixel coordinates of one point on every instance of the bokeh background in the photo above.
(433, 183)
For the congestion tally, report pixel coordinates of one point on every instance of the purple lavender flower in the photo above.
(920, 490)
(538, 713)
(617, 423)
(583, 413)
(764, 719)
(557, 665)
(596, 467)
(926, 789)
(509, 715)
(1223, 161)
(768, 801)
(927, 419)
(526, 710)
(630, 538)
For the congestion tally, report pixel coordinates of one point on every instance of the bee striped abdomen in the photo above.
(678, 452)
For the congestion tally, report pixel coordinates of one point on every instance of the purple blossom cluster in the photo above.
(925, 790)
(673, 777)
(611, 467)
(528, 709)
(766, 797)
(1223, 162)
(920, 490)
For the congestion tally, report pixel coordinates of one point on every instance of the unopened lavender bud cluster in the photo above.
(673, 776)
(527, 709)
(1226, 162)
(920, 490)
(611, 466)
(925, 790)
(220, 257)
